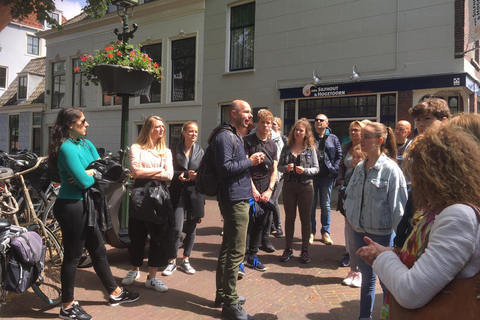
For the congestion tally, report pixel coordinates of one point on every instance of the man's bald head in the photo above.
(402, 131)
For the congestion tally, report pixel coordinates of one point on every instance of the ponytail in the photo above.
(389, 145)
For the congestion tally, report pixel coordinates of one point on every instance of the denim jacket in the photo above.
(375, 203)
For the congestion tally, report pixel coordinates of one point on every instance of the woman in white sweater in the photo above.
(445, 244)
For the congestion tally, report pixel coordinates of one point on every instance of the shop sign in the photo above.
(311, 90)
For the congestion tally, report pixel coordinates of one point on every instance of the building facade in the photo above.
(402, 51)
(22, 85)
(171, 32)
(267, 53)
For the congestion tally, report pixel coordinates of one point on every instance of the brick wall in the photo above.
(462, 24)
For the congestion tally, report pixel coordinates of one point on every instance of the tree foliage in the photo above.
(21, 9)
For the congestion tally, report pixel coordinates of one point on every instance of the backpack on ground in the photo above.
(207, 180)
(25, 263)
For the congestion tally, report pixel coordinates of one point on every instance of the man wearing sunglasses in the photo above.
(329, 153)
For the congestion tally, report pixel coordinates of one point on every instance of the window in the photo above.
(242, 36)
(22, 87)
(33, 45)
(111, 100)
(224, 114)
(388, 109)
(344, 107)
(58, 84)
(13, 125)
(78, 96)
(183, 69)
(36, 133)
(453, 104)
(175, 134)
(288, 116)
(3, 77)
(55, 16)
(154, 51)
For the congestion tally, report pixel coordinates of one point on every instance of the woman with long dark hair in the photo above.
(71, 154)
(189, 204)
(376, 198)
(298, 162)
(150, 159)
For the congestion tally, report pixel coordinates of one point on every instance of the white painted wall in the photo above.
(383, 38)
(158, 21)
(13, 40)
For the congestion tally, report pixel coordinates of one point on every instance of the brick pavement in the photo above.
(285, 291)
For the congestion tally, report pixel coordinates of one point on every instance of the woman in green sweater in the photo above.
(71, 154)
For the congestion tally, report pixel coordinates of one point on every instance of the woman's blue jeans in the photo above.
(369, 278)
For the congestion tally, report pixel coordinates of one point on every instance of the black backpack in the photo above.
(207, 181)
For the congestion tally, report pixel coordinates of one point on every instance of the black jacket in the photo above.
(193, 201)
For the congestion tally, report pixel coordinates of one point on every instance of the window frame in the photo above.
(36, 133)
(22, 87)
(148, 99)
(4, 78)
(77, 85)
(173, 59)
(13, 136)
(111, 100)
(31, 47)
(232, 29)
(51, 15)
(61, 76)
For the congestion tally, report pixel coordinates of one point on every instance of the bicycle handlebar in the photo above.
(21, 173)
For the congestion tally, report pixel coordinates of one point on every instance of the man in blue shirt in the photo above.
(329, 153)
(233, 200)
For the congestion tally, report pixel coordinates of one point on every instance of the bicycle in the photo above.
(5, 230)
(49, 289)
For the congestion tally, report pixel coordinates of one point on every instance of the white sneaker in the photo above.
(185, 266)
(169, 269)
(156, 284)
(357, 280)
(131, 276)
(348, 280)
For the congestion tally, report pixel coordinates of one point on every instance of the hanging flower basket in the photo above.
(123, 80)
(120, 69)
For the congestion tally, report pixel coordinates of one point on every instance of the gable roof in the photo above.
(35, 66)
(30, 20)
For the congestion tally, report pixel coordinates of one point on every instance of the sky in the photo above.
(70, 8)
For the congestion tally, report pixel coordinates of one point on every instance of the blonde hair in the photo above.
(356, 123)
(144, 139)
(264, 114)
(309, 140)
(444, 168)
(279, 122)
(389, 145)
(188, 124)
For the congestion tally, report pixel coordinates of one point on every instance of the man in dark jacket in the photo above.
(233, 199)
(329, 152)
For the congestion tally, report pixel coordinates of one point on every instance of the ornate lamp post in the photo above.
(122, 11)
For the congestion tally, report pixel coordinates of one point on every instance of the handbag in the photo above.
(460, 299)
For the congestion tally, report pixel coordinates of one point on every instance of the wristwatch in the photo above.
(270, 188)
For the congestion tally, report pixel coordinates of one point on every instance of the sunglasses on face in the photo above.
(320, 120)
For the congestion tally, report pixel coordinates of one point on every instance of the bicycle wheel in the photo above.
(50, 289)
(50, 222)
